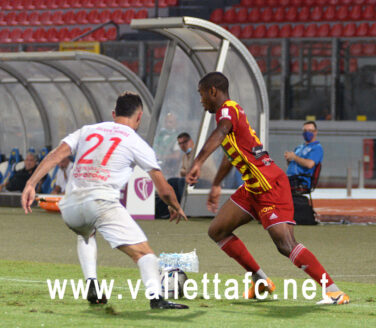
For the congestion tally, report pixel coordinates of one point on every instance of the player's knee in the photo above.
(215, 233)
(284, 248)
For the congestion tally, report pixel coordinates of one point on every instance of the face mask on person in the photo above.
(308, 136)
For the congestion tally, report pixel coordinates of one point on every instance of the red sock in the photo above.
(306, 261)
(235, 248)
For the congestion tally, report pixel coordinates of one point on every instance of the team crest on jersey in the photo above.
(143, 187)
(224, 114)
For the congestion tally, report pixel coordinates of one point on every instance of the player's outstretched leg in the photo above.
(87, 254)
(230, 217)
(147, 262)
(283, 237)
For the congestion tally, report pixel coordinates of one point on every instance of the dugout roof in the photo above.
(196, 47)
(46, 95)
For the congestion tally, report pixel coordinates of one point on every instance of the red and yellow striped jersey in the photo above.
(245, 151)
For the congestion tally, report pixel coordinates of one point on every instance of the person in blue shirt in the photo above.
(303, 160)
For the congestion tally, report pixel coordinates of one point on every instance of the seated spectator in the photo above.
(18, 181)
(303, 160)
(65, 167)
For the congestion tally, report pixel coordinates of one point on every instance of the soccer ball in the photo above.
(170, 284)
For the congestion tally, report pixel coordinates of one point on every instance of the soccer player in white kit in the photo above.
(106, 154)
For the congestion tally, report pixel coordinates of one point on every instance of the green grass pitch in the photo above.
(39, 246)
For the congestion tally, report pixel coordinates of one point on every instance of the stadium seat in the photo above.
(298, 31)
(258, 3)
(332, 2)
(358, 2)
(117, 16)
(5, 36)
(69, 18)
(139, 4)
(275, 66)
(149, 3)
(262, 65)
(260, 32)
(63, 34)
(217, 16)
(362, 29)
(254, 16)
(369, 12)
(111, 34)
(2, 21)
(284, 3)
(369, 49)
(40, 4)
(105, 16)
(370, 2)
(310, 31)
(236, 30)
(297, 3)
(93, 17)
(16, 35)
(51, 35)
(372, 30)
(128, 16)
(45, 18)
(87, 4)
(242, 15)
(272, 3)
(112, 3)
(254, 49)
(317, 14)
(304, 14)
(267, 15)
(329, 13)
(143, 13)
(294, 50)
(100, 35)
(321, 3)
(22, 18)
(349, 30)
(10, 18)
(336, 30)
(246, 3)
(273, 31)
(310, 3)
(14, 158)
(6, 5)
(28, 5)
(75, 3)
(34, 18)
(99, 3)
(285, 31)
(230, 16)
(124, 3)
(291, 14)
(27, 35)
(75, 32)
(247, 32)
(81, 17)
(264, 50)
(346, 2)
(342, 13)
(17, 4)
(39, 35)
(279, 14)
(276, 51)
(355, 13)
(356, 49)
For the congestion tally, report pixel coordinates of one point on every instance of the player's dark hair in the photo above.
(127, 103)
(214, 79)
(183, 135)
(311, 122)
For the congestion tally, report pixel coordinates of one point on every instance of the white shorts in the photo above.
(111, 219)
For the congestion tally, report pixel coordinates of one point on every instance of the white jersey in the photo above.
(106, 154)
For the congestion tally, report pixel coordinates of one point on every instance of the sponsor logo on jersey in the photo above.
(143, 187)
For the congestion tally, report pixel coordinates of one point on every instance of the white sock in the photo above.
(148, 265)
(87, 254)
(259, 275)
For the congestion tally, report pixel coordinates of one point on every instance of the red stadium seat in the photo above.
(2, 21)
(27, 35)
(242, 15)
(39, 35)
(298, 31)
(294, 50)
(279, 14)
(275, 66)
(69, 17)
(34, 18)
(247, 32)
(74, 33)
(217, 16)
(10, 18)
(329, 13)
(149, 3)
(99, 3)
(272, 3)
(359, 2)
(128, 16)
(105, 16)
(370, 2)
(45, 18)
(323, 31)
(262, 65)
(52, 4)
(87, 4)
(254, 49)
(40, 4)
(346, 2)
(6, 5)
(356, 49)
(81, 17)
(304, 14)
(16, 35)
(284, 3)
(5, 36)
(143, 13)
(276, 51)
(100, 35)
(254, 16)
(74, 4)
(342, 13)
(57, 18)
(322, 3)
(325, 66)
(310, 3)
(296, 3)
(246, 3)
(17, 5)
(112, 3)
(333, 2)
(258, 3)
(111, 34)
(51, 35)
(336, 30)
(317, 14)
(349, 30)
(22, 18)
(291, 14)
(28, 5)
(63, 35)
(236, 30)
(362, 29)
(93, 17)
(369, 12)
(230, 16)
(117, 16)
(285, 31)
(369, 49)
(124, 3)
(139, 4)
(310, 31)
(273, 31)
(260, 32)
(267, 15)
(355, 13)
(372, 30)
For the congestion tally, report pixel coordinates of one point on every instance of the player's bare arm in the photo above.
(49, 162)
(167, 194)
(291, 156)
(223, 128)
